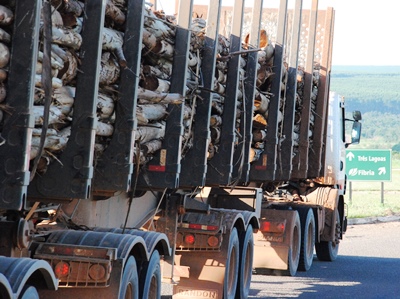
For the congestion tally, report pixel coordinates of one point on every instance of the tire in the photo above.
(328, 251)
(29, 292)
(150, 278)
(307, 221)
(294, 250)
(232, 266)
(129, 286)
(246, 263)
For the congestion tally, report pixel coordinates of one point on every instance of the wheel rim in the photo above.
(232, 274)
(129, 291)
(247, 269)
(310, 243)
(153, 287)
(296, 242)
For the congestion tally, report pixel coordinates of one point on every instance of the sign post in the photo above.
(369, 165)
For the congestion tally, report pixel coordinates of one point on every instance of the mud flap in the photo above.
(271, 251)
(207, 273)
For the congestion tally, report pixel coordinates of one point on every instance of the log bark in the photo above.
(104, 129)
(67, 37)
(105, 106)
(147, 113)
(113, 41)
(114, 13)
(6, 16)
(147, 133)
(55, 115)
(109, 71)
(4, 55)
(4, 36)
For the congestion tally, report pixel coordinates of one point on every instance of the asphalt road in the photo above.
(368, 266)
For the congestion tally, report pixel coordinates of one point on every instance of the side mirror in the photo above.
(356, 132)
(357, 115)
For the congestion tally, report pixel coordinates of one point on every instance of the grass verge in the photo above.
(366, 198)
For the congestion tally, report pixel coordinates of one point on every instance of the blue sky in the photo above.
(366, 31)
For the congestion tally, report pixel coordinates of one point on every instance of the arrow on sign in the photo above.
(350, 156)
(382, 170)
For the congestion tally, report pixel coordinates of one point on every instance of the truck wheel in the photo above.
(129, 286)
(307, 239)
(232, 266)
(29, 292)
(246, 263)
(150, 278)
(328, 251)
(294, 250)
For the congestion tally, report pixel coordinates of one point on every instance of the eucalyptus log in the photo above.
(155, 84)
(104, 129)
(55, 115)
(113, 41)
(109, 69)
(105, 106)
(3, 92)
(114, 13)
(6, 16)
(4, 55)
(56, 61)
(146, 96)
(4, 36)
(151, 146)
(66, 37)
(148, 133)
(215, 120)
(56, 83)
(3, 75)
(159, 28)
(261, 102)
(147, 113)
(69, 73)
(69, 6)
(148, 70)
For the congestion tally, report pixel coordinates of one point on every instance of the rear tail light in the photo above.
(97, 272)
(273, 227)
(61, 269)
(213, 241)
(189, 239)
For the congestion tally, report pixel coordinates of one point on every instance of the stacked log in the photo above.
(65, 45)
(263, 94)
(6, 21)
(299, 105)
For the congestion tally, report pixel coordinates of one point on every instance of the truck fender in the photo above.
(251, 218)
(154, 240)
(5, 288)
(126, 244)
(18, 271)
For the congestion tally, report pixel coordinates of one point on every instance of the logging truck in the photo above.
(139, 147)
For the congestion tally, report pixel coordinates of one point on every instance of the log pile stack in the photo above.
(299, 105)
(263, 94)
(154, 86)
(66, 42)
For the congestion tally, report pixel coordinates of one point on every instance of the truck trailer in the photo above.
(139, 147)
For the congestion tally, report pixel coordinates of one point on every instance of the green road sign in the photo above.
(369, 165)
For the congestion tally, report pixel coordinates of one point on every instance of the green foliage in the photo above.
(375, 91)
